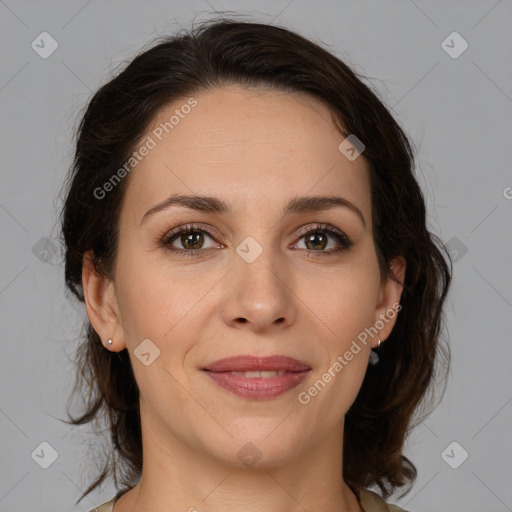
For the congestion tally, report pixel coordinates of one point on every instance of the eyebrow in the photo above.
(296, 205)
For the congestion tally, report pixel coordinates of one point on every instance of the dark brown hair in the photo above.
(212, 55)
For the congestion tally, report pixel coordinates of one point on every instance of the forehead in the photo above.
(257, 147)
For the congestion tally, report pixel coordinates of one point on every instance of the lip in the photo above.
(246, 363)
(221, 372)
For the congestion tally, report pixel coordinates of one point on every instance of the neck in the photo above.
(178, 476)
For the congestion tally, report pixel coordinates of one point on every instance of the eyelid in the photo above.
(190, 227)
(319, 227)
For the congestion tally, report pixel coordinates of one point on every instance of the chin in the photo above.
(259, 447)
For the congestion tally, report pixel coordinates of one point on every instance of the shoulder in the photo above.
(372, 502)
(106, 507)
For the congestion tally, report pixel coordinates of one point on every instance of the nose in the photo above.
(259, 296)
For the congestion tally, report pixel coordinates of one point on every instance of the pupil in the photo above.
(314, 238)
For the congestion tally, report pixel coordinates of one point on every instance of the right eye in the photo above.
(190, 237)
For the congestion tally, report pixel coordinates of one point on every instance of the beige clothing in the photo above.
(370, 501)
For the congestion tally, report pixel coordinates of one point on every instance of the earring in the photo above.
(374, 356)
(109, 342)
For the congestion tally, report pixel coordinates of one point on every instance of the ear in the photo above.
(389, 299)
(101, 305)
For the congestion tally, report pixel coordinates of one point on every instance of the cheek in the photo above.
(351, 307)
(161, 301)
(141, 301)
(154, 307)
(346, 300)
(346, 309)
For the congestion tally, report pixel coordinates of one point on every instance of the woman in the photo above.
(264, 299)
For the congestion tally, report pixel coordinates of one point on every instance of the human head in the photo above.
(260, 57)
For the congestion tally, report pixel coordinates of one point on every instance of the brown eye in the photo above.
(316, 241)
(192, 240)
(317, 238)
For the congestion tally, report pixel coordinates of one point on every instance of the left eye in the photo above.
(318, 240)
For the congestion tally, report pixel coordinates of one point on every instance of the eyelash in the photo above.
(342, 238)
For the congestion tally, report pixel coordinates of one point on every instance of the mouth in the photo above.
(257, 377)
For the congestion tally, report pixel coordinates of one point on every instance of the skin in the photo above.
(256, 149)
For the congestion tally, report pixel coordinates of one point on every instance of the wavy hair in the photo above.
(212, 55)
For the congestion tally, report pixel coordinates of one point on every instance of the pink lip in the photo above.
(257, 387)
(247, 363)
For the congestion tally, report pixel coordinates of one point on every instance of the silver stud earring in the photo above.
(374, 355)
(109, 342)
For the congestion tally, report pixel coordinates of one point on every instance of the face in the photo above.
(253, 278)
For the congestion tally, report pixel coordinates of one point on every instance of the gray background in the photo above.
(458, 113)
